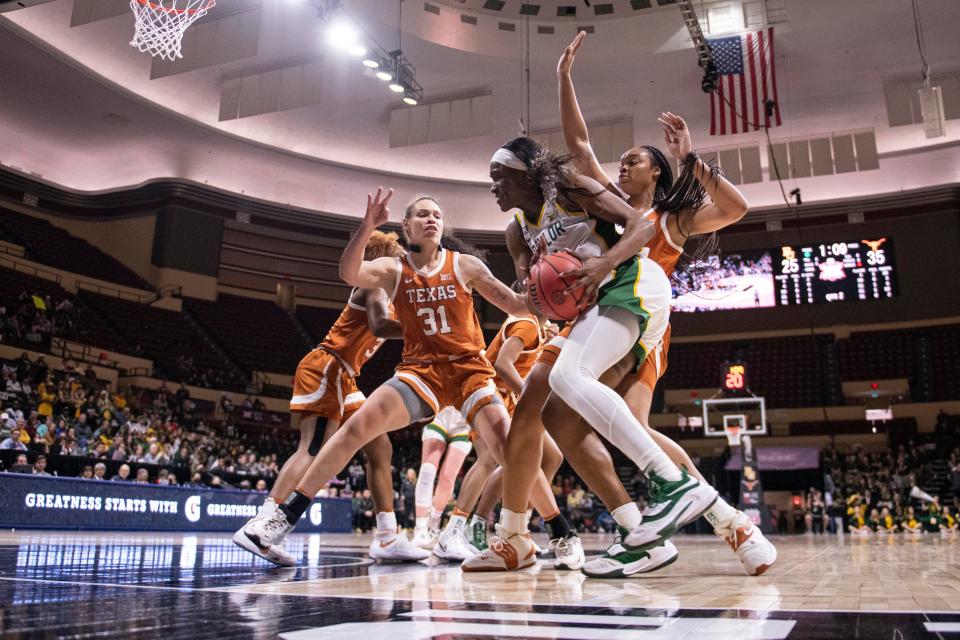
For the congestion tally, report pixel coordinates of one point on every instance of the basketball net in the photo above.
(733, 434)
(159, 24)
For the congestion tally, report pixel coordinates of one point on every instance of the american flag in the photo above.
(747, 80)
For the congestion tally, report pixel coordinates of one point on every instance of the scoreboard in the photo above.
(835, 272)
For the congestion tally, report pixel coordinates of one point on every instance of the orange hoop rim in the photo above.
(160, 7)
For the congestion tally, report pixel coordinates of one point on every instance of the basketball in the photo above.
(547, 286)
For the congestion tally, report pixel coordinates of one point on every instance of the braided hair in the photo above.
(686, 193)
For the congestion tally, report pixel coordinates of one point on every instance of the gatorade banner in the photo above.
(48, 502)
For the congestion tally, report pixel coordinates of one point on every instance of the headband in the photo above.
(508, 159)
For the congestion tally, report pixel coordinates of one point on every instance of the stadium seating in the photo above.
(162, 334)
(786, 371)
(877, 355)
(946, 358)
(317, 320)
(89, 328)
(257, 333)
(51, 245)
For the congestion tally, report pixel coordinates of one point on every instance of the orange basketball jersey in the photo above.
(661, 248)
(436, 311)
(350, 338)
(528, 330)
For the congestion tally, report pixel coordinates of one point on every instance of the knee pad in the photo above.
(313, 448)
(423, 496)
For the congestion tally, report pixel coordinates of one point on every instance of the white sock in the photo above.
(423, 493)
(434, 521)
(456, 522)
(386, 522)
(593, 347)
(627, 516)
(268, 507)
(513, 522)
(421, 522)
(720, 513)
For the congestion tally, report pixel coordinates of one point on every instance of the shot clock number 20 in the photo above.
(734, 377)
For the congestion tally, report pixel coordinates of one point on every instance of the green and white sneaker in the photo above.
(620, 562)
(478, 537)
(672, 505)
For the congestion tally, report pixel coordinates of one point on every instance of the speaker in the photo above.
(931, 109)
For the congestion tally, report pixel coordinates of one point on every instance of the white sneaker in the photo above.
(423, 538)
(264, 537)
(505, 553)
(756, 553)
(452, 546)
(569, 553)
(672, 505)
(275, 553)
(619, 562)
(395, 547)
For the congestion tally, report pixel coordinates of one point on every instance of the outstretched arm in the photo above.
(378, 315)
(727, 203)
(478, 276)
(369, 274)
(571, 118)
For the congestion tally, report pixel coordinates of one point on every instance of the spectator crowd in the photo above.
(70, 413)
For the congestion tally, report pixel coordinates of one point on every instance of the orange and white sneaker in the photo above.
(506, 552)
(756, 553)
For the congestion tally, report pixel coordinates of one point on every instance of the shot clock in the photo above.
(733, 378)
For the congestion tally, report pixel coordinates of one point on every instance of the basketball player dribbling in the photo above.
(325, 395)
(564, 210)
(678, 211)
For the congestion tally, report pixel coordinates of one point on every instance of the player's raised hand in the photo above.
(377, 210)
(676, 135)
(566, 60)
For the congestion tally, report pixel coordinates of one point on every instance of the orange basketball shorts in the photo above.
(466, 384)
(323, 387)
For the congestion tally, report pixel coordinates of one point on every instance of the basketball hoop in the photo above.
(159, 24)
(733, 432)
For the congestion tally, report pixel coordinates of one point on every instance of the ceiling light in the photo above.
(396, 88)
(357, 50)
(386, 76)
(371, 63)
(341, 35)
(410, 100)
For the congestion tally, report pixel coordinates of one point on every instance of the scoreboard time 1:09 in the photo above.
(835, 272)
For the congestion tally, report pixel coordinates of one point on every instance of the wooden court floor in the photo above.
(152, 585)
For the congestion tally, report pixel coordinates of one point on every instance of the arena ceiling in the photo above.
(132, 119)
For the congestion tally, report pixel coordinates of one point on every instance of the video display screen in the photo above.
(855, 270)
(736, 280)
